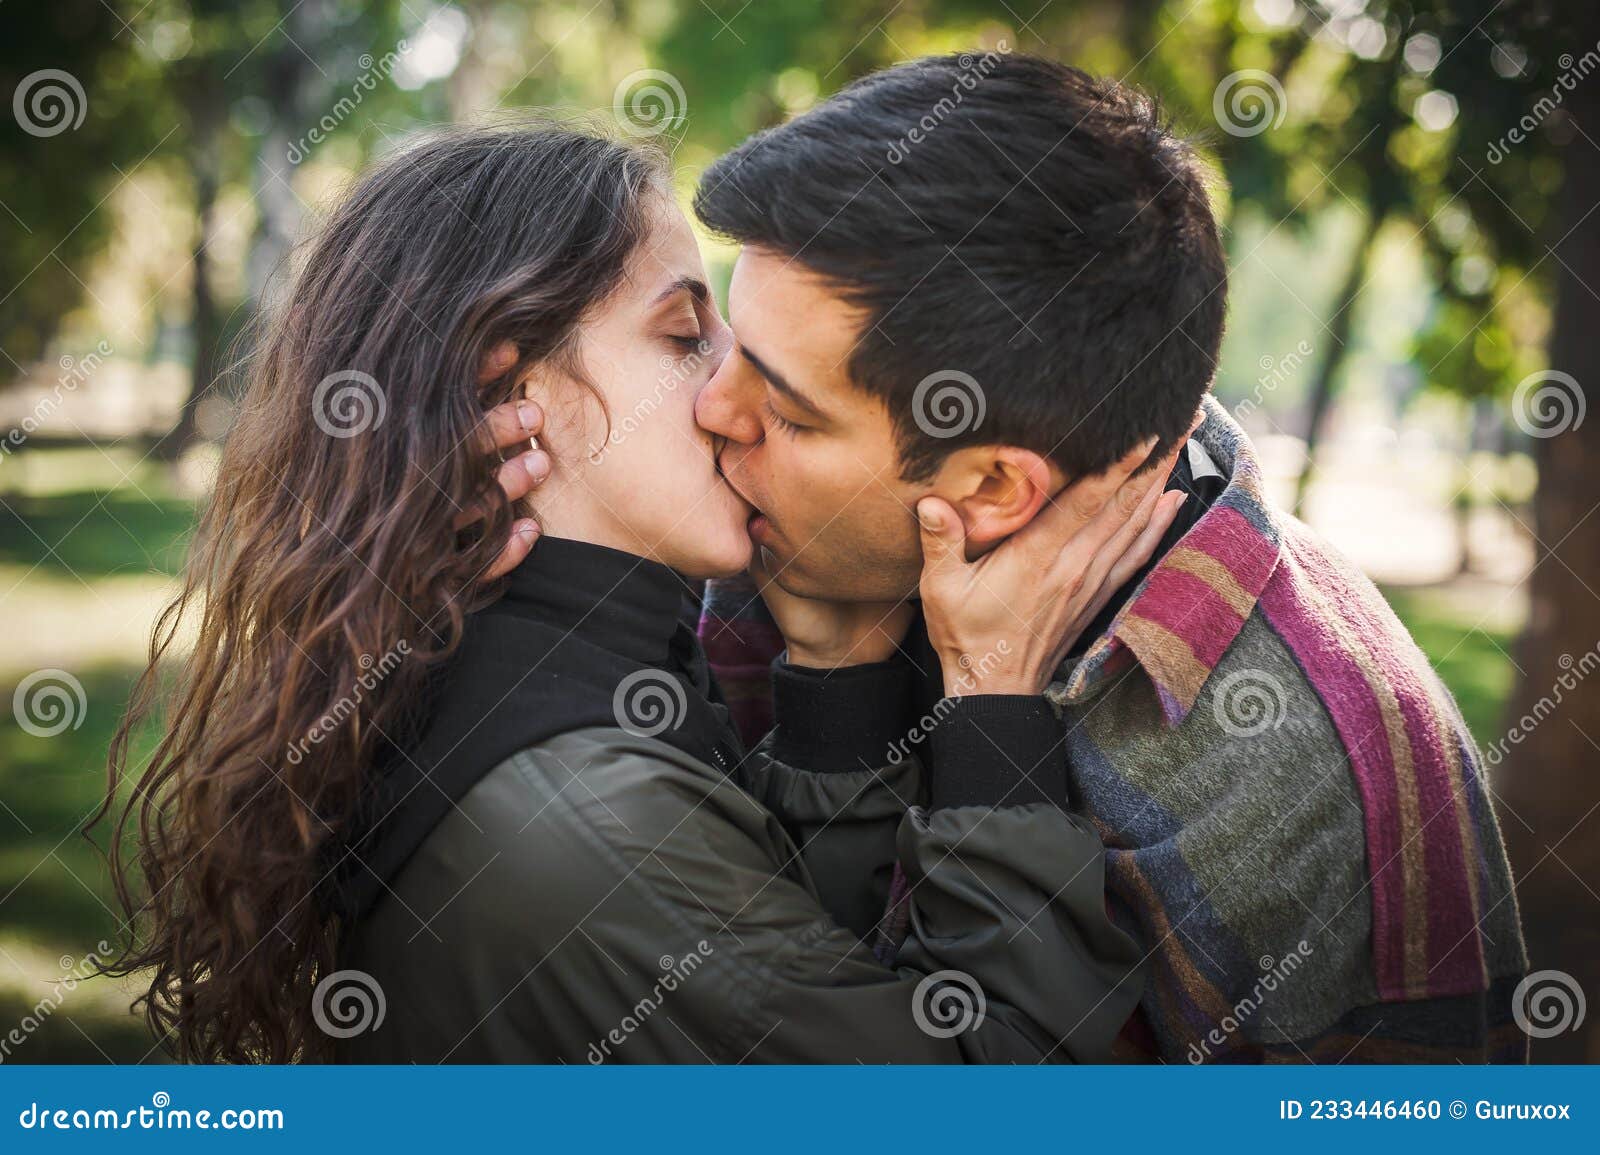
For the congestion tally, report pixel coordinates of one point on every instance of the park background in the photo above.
(1406, 192)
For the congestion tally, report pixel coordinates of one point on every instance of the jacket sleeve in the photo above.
(608, 898)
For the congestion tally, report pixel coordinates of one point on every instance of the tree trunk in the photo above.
(1338, 337)
(205, 163)
(1548, 786)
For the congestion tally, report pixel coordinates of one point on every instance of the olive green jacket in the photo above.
(606, 897)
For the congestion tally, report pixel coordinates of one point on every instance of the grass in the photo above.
(1471, 657)
(95, 533)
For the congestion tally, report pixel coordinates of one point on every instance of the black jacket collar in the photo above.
(584, 636)
(619, 602)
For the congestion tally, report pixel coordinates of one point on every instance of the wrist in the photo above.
(998, 670)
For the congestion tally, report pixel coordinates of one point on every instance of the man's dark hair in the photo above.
(1005, 217)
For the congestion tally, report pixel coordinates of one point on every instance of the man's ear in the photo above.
(997, 489)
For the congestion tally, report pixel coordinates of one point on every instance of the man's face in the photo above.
(814, 454)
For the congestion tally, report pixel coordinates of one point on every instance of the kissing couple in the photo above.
(909, 667)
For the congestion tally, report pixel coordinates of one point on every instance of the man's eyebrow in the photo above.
(777, 382)
(694, 286)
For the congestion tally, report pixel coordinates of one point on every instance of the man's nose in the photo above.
(727, 404)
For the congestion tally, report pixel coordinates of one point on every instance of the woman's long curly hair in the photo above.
(326, 574)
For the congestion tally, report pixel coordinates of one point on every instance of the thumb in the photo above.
(944, 538)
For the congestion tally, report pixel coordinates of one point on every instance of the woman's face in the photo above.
(646, 481)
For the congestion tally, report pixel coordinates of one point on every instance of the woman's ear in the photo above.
(997, 489)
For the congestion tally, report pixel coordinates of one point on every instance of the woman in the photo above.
(513, 813)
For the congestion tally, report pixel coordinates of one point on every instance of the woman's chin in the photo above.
(723, 552)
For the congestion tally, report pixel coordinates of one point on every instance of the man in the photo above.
(966, 284)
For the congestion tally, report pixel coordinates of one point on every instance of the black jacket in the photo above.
(634, 887)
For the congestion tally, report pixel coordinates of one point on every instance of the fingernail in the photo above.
(929, 519)
(537, 464)
(527, 414)
(526, 530)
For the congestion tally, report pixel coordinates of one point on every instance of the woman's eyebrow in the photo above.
(694, 286)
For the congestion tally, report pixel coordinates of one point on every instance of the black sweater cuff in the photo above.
(997, 750)
(840, 719)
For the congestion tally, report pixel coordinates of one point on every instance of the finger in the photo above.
(510, 426)
(1077, 504)
(1144, 546)
(523, 534)
(1096, 550)
(944, 538)
(517, 478)
(1075, 540)
(1134, 496)
(497, 362)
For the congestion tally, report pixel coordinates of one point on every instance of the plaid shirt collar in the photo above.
(1186, 613)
